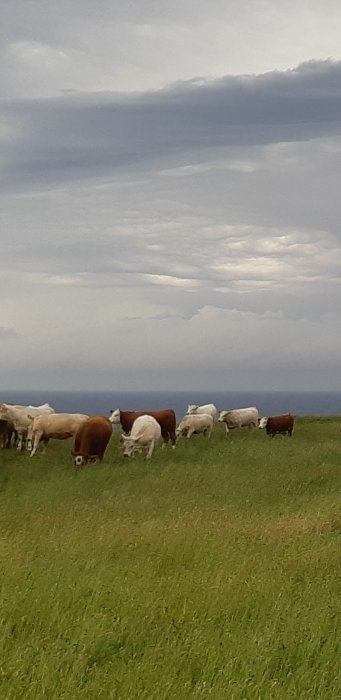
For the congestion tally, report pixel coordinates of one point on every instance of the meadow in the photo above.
(213, 571)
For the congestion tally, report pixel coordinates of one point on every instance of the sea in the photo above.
(299, 403)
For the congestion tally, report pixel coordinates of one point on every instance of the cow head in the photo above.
(4, 411)
(115, 416)
(192, 407)
(222, 415)
(129, 446)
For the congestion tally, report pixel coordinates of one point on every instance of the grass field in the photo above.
(213, 571)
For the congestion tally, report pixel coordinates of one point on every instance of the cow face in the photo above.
(115, 417)
(4, 415)
(192, 407)
(130, 446)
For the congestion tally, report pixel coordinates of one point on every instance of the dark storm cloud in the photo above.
(84, 136)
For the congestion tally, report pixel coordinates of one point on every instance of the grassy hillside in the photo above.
(212, 571)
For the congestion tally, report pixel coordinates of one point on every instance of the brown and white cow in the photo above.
(166, 419)
(91, 440)
(280, 425)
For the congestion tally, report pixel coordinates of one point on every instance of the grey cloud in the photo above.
(201, 215)
(75, 137)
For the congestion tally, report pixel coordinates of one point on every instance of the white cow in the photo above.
(57, 426)
(20, 416)
(239, 418)
(208, 408)
(196, 423)
(145, 433)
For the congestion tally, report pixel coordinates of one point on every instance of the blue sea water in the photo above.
(318, 403)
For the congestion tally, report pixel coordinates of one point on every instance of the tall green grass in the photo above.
(213, 571)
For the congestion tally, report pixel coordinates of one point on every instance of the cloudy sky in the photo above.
(170, 194)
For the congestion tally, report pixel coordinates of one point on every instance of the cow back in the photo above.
(92, 437)
(280, 424)
(166, 419)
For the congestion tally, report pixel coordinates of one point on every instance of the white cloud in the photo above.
(144, 45)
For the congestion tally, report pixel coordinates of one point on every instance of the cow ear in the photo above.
(29, 416)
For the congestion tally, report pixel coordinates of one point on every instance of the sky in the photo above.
(170, 195)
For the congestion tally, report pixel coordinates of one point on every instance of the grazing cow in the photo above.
(91, 440)
(280, 425)
(166, 419)
(145, 433)
(208, 409)
(196, 423)
(7, 430)
(239, 418)
(20, 417)
(58, 426)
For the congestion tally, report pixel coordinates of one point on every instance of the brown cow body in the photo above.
(280, 425)
(7, 429)
(91, 439)
(166, 419)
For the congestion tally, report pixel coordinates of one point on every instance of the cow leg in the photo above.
(37, 438)
(226, 428)
(46, 442)
(20, 440)
(150, 451)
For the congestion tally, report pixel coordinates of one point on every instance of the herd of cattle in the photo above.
(25, 427)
